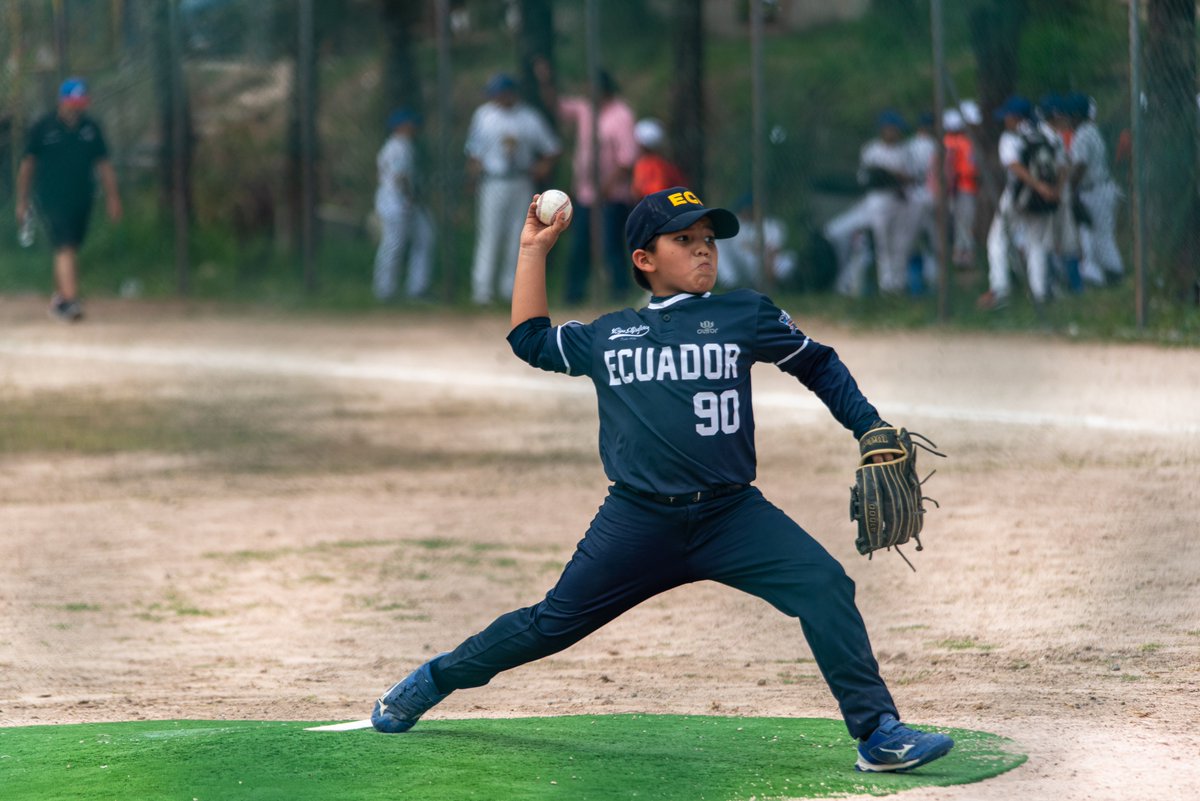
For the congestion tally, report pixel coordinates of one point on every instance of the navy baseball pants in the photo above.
(637, 547)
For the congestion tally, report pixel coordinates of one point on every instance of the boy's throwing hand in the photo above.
(541, 237)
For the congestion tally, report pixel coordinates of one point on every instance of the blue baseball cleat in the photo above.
(399, 709)
(897, 748)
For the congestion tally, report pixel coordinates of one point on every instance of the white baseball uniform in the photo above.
(403, 222)
(1031, 234)
(507, 142)
(879, 212)
(918, 211)
(1099, 195)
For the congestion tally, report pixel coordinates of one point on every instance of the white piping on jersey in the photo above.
(793, 353)
(558, 340)
(662, 304)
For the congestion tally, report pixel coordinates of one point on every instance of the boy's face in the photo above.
(682, 261)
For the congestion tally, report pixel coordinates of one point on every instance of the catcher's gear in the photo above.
(886, 500)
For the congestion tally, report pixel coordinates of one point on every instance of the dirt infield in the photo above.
(229, 515)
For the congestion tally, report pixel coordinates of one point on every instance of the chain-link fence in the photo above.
(251, 127)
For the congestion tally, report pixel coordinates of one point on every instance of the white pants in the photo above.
(1066, 228)
(1100, 253)
(963, 211)
(917, 230)
(879, 211)
(400, 227)
(501, 207)
(1032, 235)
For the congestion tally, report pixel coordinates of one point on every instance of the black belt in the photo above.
(686, 498)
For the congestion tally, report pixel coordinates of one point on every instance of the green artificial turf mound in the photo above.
(602, 757)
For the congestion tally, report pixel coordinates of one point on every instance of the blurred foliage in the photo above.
(824, 88)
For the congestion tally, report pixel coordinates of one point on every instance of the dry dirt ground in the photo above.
(229, 515)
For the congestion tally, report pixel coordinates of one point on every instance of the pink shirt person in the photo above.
(618, 148)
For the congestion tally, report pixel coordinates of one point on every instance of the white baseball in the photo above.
(550, 203)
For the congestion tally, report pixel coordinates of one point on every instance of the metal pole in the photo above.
(766, 277)
(445, 249)
(18, 104)
(939, 103)
(60, 38)
(178, 153)
(307, 146)
(595, 215)
(1138, 199)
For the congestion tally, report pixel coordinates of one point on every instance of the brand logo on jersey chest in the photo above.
(632, 332)
(707, 327)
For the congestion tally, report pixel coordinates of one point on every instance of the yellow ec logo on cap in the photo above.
(680, 198)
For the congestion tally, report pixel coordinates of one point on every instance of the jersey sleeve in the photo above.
(33, 139)
(781, 342)
(100, 145)
(561, 348)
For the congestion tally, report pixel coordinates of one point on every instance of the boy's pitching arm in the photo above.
(529, 285)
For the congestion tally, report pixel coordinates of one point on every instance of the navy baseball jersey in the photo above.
(673, 383)
(65, 157)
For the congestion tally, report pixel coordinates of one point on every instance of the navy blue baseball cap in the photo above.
(401, 116)
(673, 210)
(1016, 106)
(500, 83)
(893, 118)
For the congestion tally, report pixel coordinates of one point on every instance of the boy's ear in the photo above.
(643, 260)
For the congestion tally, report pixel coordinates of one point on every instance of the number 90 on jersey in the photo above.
(719, 414)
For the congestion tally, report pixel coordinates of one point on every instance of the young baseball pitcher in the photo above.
(677, 442)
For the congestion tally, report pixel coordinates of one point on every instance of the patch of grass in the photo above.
(914, 678)
(435, 543)
(174, 604)
(964, 644)
(230, 435)
(788, 677)
(80, 607)
(582, 758)
(1150, 647)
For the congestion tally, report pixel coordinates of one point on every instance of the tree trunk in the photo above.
(165, 80)
(535, 40)
(401, 80)
(996, 39)
(1172, 206)
(687, 91)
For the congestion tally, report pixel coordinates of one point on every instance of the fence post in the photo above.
(1138, 199)
(178, 151)
(939, 103)
(766, 276)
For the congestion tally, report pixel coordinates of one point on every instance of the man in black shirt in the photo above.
(64, 151)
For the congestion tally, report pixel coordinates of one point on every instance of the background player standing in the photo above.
(64, 152)
(404, 224)
(510, 148)
(885, 170)
(677, 441)
(1030, 229)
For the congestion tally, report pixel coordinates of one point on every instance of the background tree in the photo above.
(687, 104)
(1171, 175)
(401, 81)
(535, 39)
(167, 76)
(995, 29)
